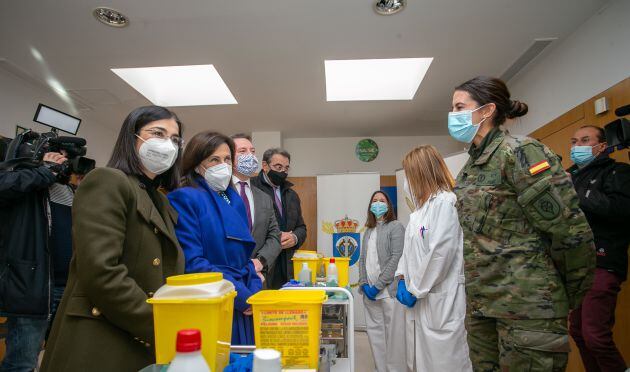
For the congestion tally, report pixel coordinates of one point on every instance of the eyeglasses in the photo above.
(161, 134)
(280, 168)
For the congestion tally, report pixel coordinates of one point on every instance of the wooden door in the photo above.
(306, 188)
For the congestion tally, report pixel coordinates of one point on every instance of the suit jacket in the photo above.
(266, 232)
(289, 220)
(124, 249)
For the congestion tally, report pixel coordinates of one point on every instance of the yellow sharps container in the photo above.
(289, 321)
(204, 301)
(312, 259)
(343, 269)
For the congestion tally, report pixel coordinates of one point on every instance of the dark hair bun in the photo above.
(517, 109)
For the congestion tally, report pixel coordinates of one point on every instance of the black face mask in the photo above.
(278, 178)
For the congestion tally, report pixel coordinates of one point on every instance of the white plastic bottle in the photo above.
(332, 278)
(305, 275)
(188, 357)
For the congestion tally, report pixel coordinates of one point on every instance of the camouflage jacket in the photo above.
(528, 249)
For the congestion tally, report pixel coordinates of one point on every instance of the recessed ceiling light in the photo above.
(374, 79)
(110, 17)
(196, 85)
(389, 7)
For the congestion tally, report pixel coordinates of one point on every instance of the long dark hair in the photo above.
(199, 148)
(126, 158)
(484, 90)
(388, 217)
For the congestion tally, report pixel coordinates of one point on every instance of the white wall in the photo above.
(266, 140)
(18, 102)
(592, 59)
(313, 156)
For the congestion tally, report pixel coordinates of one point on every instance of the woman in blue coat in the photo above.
(212, 225)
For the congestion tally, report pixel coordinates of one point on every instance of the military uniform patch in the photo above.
(547, 206)
(489, 178)
(539, 167)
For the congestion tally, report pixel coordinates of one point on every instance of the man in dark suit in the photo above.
(260, 213)
(272, 180)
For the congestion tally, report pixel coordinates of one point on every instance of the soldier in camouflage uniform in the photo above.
(528, 249)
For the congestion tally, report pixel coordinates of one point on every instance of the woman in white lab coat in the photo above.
(431, 270)
(384, 316)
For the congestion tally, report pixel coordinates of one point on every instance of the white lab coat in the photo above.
(433, 266)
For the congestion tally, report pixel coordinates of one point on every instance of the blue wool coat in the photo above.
(215, 237)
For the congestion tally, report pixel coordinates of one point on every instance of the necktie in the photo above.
(278, 201)
(247, 206)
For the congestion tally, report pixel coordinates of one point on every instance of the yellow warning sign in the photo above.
(287, 332)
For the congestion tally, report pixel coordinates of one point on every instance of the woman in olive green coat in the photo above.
(124, 248)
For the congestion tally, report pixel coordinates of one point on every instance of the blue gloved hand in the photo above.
(240, 363)
(365, 289)
(404, 296)
(370, 291)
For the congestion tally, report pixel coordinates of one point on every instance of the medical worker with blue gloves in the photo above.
(431, 269)
(382, 248)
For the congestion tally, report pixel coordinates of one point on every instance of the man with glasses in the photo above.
(273, 181)
(603, 186)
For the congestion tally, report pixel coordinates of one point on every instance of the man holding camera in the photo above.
(32, 235)
(603, 186)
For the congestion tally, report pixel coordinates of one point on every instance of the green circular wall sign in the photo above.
(366, 150)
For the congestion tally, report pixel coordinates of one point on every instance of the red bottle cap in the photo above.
(188, 340)
(332, 260)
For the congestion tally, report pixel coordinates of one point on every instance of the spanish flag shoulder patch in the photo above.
(539, 167)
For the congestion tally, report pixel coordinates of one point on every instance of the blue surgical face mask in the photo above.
(461, 127)
(247, 164)
(379, 209)
(582, 155)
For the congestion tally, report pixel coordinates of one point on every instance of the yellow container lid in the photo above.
(304, 259)
(301, 254)
(194, 279)
(272, 297)
(337, 258)
(198, 288)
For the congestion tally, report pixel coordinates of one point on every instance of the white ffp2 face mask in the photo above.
(218, 177)
(157, 155)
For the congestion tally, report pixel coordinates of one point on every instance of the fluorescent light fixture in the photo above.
(374, 79)
(57, 119)
(196, 85)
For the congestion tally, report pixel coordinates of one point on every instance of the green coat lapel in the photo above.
(152, 215)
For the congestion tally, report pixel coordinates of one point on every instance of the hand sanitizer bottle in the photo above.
(332, 279)
(305, 275)
(188, 357)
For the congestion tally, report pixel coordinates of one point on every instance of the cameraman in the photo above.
(603, 186)
(26, 284)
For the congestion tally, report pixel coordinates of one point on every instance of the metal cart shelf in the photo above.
(345, 363)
